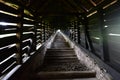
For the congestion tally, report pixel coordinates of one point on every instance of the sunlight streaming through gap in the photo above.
(8, 24)
(11, 14)
(112, 34)
(7, 35)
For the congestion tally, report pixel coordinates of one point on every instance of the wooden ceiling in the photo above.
(57, 7)
(61, 11)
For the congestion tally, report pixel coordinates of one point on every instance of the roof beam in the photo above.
(73, 4)
(59, 14)
(41, 4)
(92, 2)
(70, 5)
(82, 7)
(101, 5)
(44, 5)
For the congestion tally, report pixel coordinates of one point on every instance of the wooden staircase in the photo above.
(61, 63)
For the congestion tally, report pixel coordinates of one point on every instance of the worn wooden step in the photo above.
(60, 52)
(61, 58)
(58, 61)
(61, 55)
(65, 49)
(65, 75)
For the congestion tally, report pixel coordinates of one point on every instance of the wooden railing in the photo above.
(20, 36)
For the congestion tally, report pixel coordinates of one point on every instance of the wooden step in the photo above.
(65, 49)
(61, 55)
(60, 58)
(65, 75)
(60, 52)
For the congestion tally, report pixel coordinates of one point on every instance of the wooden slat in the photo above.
(26, 50)
(27, 36)
(28, 16)
(27, 28)
(28, 22)
(7, 29)
(8, 18)
(7, 41)
(27, 44)
(7, 8)
(6, 64)
(4, 53)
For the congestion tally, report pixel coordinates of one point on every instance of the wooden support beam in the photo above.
(19, 3)
(78, 31)
(104, 39)
(86, 33)
(101, 5)
(71, 30)
(35, 33)
(73, 5)
(81, 5)
(88, 41)
(44, 33)
(92, 2)
(74, 30)
(19, 36)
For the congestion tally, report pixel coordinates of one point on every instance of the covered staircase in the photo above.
(61, 62)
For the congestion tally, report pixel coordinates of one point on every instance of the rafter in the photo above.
(92, 2)
(80, 4)
(72, 3)
(41, 8)
(104, 3)
(42, 3)
(69, 5)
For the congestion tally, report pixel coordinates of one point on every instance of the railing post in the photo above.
(19, 34)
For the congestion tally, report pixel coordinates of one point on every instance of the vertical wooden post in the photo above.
(86, 32)
(78, 30)
(104, 39)
(72, 35)
(19, 36)
(87, 36)
(74, 30)
(35, 32)
(44, 32)
(47, 27)
(41, 34)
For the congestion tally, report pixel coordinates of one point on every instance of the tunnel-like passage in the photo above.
(28, 29)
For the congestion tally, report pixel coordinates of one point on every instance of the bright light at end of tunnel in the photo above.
(111, 34)
(58, 30)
